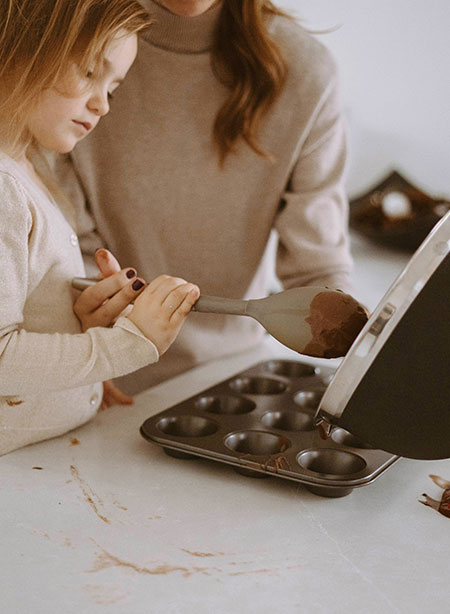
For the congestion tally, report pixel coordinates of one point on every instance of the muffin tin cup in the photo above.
(262, 422)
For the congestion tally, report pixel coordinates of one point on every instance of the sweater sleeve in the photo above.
(32, 362)
(313, 246)
(39, 362)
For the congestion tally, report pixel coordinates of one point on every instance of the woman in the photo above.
(228, 126)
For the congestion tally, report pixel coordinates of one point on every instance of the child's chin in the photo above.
(65, 148)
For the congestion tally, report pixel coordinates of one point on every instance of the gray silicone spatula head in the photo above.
(311, 320)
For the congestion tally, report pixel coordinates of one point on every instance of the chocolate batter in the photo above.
(335, 319)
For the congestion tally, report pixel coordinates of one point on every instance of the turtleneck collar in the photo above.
(179, 33)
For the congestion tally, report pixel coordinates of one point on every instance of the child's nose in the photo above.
(99, 104)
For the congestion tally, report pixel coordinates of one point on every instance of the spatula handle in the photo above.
(81, 283)
(215, 304)
(205, 304)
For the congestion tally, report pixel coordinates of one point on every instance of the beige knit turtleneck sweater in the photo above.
(162, 204)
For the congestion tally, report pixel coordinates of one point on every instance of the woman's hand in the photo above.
(102, 304)
(107, 263)
(114, 396)
(160, 310)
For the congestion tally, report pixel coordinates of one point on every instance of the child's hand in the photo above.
(100, 305)
(161, 309)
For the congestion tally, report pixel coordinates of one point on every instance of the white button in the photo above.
(93, 400)
(74, 239)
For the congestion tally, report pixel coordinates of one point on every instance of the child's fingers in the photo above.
(161, 288)
(157, 283)
(185, 298)
(175, 295)
(162, 285)
(160, 310)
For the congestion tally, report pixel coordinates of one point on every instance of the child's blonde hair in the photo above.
(38, 41)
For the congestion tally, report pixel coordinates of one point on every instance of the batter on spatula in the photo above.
(335, 319)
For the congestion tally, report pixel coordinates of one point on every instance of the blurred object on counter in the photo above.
(396, 213)
(442, 506)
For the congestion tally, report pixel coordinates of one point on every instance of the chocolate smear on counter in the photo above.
(442, 506)
(89, 495)
(335, 319)
(199, 554)
(105, 560)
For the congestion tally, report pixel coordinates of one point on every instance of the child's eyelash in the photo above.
(89, 75)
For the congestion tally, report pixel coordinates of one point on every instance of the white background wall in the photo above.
(394, 61)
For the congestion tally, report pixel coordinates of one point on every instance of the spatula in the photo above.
(288, 317)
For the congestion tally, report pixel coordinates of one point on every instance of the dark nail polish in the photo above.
(137, 285)
(131, 273)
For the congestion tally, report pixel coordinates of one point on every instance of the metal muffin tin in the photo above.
(262, 422)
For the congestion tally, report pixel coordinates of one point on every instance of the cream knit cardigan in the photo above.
(50, 372)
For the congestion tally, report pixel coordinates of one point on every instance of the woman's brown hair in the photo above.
(246, 59)
(39, 39)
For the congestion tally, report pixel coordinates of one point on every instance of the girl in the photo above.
(60, 61)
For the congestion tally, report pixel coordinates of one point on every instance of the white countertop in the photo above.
(99, 520)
